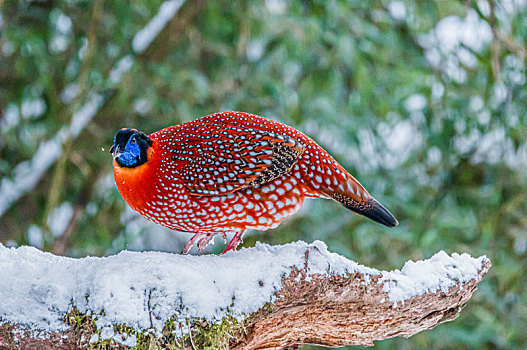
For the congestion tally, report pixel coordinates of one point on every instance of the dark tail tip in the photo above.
(369, 208)
(378, 213)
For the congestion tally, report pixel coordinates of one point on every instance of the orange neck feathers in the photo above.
(136, 184)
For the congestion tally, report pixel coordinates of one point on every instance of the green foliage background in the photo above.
(444, 148)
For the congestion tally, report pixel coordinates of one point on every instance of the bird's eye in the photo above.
(133, 141)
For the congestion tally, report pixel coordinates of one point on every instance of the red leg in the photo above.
(192, 241)
(203, 241)
(237, 239)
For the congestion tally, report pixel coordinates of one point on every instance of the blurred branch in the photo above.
(512, 45)
(495, 46)
(57, 182)
(162, 43)
(91, 36)
(499, 37)
(61, 243)
(29, 173)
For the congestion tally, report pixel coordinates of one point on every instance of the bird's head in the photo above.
(130, 148)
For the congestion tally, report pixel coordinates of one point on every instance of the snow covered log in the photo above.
(261, 297)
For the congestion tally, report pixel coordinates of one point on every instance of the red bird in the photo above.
(229, 172)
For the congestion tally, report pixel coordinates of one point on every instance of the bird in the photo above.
(230, 172)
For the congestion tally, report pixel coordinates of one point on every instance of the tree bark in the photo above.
(337, 311)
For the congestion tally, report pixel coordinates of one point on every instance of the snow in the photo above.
(63, 23)
(255, 50)
(145, 36)
(69, 93)
(397, 10)
(59, 218)
(276, 7)
(445, 44)
(8, 48)
(415, 103)
(433, 157)
(59, 43)
(33, 108)
(142, 106)
(10, 118)
(401, 138)
(440, 272)
(82, 117)
(121, 67)
(35, 236)
(42, 287)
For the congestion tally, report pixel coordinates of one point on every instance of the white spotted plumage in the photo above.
(233, 171)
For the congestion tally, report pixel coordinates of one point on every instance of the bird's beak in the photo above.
(115, 151)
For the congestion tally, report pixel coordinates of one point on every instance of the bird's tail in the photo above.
(354, 196)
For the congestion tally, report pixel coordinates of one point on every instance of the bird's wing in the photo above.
(223, 163)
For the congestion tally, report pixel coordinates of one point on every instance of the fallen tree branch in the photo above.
(258, 298)
(338, 311)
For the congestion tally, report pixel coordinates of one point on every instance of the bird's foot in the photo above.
(235, 241)
(191, 242)
(202, 239)
(203, 242)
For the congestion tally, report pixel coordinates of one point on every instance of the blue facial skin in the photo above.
(131, 153)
